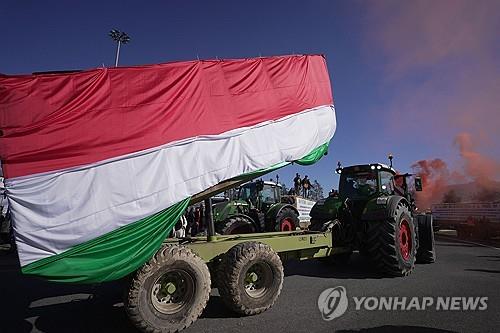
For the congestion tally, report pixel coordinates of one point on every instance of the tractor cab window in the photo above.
(386, 182)
(399, 184)
(277, 194)
(359, 185)
(268, 194)
(248, 192)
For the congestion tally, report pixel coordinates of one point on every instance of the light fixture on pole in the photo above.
(121, 38)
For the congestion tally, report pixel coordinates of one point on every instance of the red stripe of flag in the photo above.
(52, 122)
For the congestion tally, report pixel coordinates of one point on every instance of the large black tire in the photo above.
(363, 251)
(235, 225)
(426, 253)
(154, 306)
(323, 226)
(250, 278)
(287, 220)
(340, 259)
(392, 244)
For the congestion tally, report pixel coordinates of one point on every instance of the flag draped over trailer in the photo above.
(100, 164)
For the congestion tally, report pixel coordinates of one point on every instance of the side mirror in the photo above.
(418, 184)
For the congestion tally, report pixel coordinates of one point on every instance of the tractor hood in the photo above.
(326, 209)
(224, 209)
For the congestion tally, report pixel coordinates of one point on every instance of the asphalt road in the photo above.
(31, 305)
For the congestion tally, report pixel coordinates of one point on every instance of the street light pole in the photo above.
(117, 54)
(121, 38)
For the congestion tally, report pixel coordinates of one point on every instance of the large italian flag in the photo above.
(100, 164)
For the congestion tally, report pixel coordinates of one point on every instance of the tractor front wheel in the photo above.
(250, 278)
(391, 243)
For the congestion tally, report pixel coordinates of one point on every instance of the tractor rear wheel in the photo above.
(426, 253)
(250, 278)
(236, 225)
(391, 243)
(287, 220)
(169, 292)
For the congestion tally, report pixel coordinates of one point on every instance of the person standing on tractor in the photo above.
(306, 186)
(297, 182)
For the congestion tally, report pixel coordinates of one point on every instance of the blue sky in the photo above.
(407, 76)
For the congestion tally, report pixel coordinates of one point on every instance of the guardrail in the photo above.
(460, 212)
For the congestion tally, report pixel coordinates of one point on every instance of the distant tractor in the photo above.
(258, 207)
(374, 212)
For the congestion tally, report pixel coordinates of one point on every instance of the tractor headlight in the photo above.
(379, 167)
(372, 167)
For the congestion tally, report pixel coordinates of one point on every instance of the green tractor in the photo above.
(374, 212)
(258, 207)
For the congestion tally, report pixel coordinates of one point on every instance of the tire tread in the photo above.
(165, 256)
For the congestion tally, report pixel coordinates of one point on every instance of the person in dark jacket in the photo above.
(306, 186)
(297, 182)
(196, 222)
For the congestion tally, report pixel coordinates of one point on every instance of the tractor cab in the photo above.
(261, 195)
(364, 182)
(361, 182)
(364, 189)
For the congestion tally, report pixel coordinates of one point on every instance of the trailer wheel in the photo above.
(169, 292)
(287, 220)
(391, 243)
(426, 253)
(236, 225)
(250, 278)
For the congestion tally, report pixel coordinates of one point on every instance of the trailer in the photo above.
(100, 165)
(480, 220)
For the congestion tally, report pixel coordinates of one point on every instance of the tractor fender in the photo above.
(276, 209)
(381, 208)
(247, 218)
(392, 204)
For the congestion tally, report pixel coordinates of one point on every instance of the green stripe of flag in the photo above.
(122, 251)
